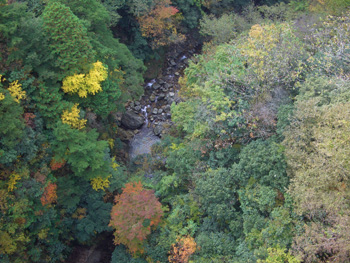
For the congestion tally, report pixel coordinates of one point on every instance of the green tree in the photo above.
(11, 127)
(68, 39)
(81, 150)
(221, 29)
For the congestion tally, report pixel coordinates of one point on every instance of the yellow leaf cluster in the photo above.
(14, 178)
(85, 84)
(2, 96)
(16, 91)
(99, 183)
(262, 43)
(71, 117)
(111, 143)
(114, 164)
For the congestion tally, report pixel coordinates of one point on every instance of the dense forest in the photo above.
(254, 157)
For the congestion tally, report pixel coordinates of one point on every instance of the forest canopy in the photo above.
(254, 166)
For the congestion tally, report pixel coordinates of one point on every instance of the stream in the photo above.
(155, 104)
(154, 107)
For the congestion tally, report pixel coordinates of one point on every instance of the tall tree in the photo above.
(68, 38)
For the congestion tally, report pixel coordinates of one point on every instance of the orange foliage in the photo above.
(182, 250)
(158, 24)
(55, 165)
(49, 196)
(135, 212)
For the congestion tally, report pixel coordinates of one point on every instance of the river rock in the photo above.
(167, 108)
(171, 94)
(155, 111)
(137, 103)
(131, 120)
(152, 97)
(160, 111)
(137, 108)
(177, 74)
(161, 96)
(170, 100)
(172, 62)
(156, 86)
(161, 81)
(125, 135)
(157, 130)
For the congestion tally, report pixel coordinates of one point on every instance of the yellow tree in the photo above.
(16, 91)
(72, 118)
(84, 84)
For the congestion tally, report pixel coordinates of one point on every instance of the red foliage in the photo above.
(135, 212)
(55, 165)
(49, 196)
(158, 24)
(29, 119)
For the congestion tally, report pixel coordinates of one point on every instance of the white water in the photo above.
(144, 111)
(150, 84)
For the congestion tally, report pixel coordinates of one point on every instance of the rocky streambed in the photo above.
(149, 118)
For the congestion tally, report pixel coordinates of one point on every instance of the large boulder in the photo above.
(132, 120)
(157, 130)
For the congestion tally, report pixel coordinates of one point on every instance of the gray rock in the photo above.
(156, 86)
(152, 98)
(171, 94)
(161, 96)
(161, 81)
(132, 120)
(172, 62)
(177, 73)
(166, 86)
(167, 108)
(155, 111)
(137, 103)
(138, 108)
(160, 111)
(157, 130)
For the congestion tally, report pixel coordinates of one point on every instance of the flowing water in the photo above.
(143, 141)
